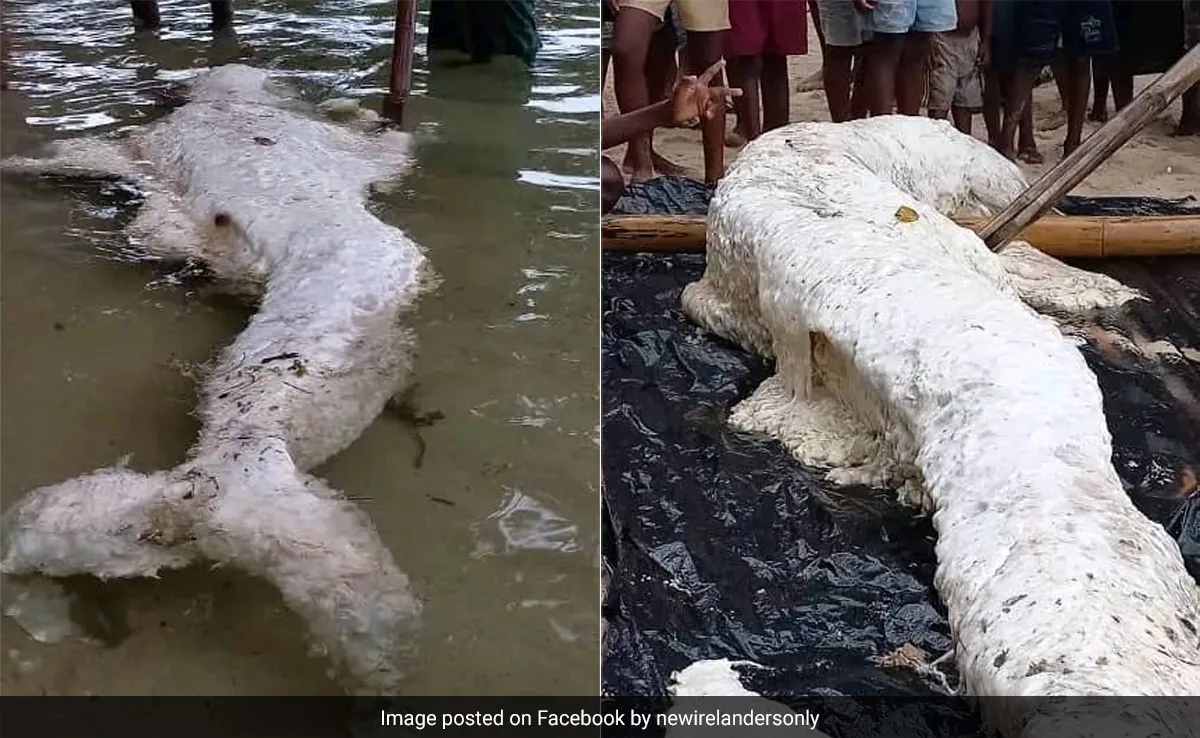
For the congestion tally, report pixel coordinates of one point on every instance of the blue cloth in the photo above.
(902, 16)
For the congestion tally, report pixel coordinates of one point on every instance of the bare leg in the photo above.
(1027, 149)
(705, 49)
(145, 14)
(1121, 78)
(745, 72)
(962, 119)
(911, 72)
(815, 80)
(839, 77)
(859, 102)
(992, 106)
(1100, 76)
(662, 70)
(775, 97)
(222, 14)
(1189, 122)
(1017, 95)
(1077, 82)
(612, 184)
(632, 31)
(882, 60)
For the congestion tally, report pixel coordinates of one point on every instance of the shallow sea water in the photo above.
(496, 521)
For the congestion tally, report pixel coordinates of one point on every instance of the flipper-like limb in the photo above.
(86, 157)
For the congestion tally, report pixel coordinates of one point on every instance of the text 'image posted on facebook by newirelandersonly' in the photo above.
(846, 288)
(282, 417)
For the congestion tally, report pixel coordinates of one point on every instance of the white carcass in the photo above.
(253, 183)
(905, 356)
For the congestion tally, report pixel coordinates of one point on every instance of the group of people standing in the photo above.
(956, 58)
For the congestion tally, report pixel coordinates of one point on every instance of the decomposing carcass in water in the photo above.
(907, 354)
(272, 199)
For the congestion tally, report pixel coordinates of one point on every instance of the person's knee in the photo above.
(632, 36)
(612, 184)
(885, 47)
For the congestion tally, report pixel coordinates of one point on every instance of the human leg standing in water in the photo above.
(763, 33)
(1085, 28)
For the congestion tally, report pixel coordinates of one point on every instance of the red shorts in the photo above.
(767, 27)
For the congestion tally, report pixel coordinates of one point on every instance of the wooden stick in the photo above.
(403, 44)
(1079, 237)
(1072, 170)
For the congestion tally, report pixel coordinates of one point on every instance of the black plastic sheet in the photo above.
(720, 545)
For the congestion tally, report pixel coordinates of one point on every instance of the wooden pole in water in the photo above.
(1072, 236)
(403, 43)
(1072, 170)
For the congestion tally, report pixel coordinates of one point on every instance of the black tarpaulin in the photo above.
(720, 545)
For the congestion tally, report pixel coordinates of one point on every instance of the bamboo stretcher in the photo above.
(1072, 237)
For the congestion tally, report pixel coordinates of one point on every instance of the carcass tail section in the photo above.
(85, 157)
(248, 508)
(325, 557)
(111, 523)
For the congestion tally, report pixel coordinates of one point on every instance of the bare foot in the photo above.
(734, 138)
(636, 171)
(1187, 127)
(1031, 156)
(666, 167)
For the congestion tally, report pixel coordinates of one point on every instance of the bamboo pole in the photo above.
(1077, 237)
(403, 44)
(1072, 170)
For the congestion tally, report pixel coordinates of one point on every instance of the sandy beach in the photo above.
(1153, 163)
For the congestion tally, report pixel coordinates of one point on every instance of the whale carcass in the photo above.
(906, 355)
(251, 182)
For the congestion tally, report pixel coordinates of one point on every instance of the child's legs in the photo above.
(633, 29)
(930, 17)
(786, 28)
(704, 48)
(992, 104)
(889, 24)
(943, 77)
(968, 93)
(842, 29)
(746, 72)
(776, 97)
(1088, 30)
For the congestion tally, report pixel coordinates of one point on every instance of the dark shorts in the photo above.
(1040, 28)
